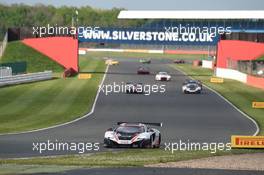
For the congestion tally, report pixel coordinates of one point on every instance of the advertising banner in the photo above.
(196, 36)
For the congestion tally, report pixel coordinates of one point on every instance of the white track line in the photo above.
(217, 93)
(70, 122)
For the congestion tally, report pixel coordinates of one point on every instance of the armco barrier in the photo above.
(194, 52)
(25, 78)
(136, 50)
(5, 71)
(104, 50)
(17, 67)
(191, 52)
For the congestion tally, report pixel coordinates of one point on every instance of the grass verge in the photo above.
(129, 158)
(36, 62)
(241, 95)
(38, 105)
(32, 169)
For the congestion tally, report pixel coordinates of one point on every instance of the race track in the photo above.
(198, 118)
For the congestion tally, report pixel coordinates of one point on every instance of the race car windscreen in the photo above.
(129, 129)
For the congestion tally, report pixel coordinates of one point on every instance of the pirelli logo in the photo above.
(247, 141)
(257, 104)
(216, 80)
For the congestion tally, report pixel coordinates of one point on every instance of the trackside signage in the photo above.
(84, 76)
(216, 80)
(257, 104)
(147, 36)
(247, 141)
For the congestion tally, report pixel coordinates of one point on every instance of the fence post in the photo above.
(3, 45)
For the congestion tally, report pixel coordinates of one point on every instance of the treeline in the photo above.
(21, 15)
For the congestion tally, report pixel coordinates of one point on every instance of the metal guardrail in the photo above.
(25, 78)
(5, 71)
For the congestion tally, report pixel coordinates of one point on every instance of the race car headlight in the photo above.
(110, 136)
(141, 137)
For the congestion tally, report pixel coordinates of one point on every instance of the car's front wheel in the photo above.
(108, 143)
(159, 141)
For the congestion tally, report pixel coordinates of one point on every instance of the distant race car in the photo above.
(260, 72)
(192, 86)
(133, 135)
(143, 70)
(134, 88)
(163, 76)
(111, 62)
(179, 61)
(145, 61)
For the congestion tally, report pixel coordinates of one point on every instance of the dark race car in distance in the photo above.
(192, 86)
(180, 61)
(137, 134)
(143, 71)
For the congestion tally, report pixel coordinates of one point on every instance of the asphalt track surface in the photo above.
(195, 118)
(155, 171)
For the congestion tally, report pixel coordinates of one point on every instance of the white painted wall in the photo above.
(207, 64)
(104, 50)
(82, 52)
(156, 51)
(231, 74)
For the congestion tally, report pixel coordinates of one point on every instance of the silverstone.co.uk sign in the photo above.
(169, 35)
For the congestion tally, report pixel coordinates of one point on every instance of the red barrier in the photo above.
(63, 50)
(237, 50)
(69, 73)
(197, 63)
(255, 81)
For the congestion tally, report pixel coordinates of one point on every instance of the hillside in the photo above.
(36, 61)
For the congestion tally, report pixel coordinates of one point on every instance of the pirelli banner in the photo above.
(247, 141)
(188, 36)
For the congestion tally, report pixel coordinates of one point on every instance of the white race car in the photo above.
(192, 87)
(163, 76)
(133, 135)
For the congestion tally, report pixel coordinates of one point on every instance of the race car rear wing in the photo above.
(146, 123)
